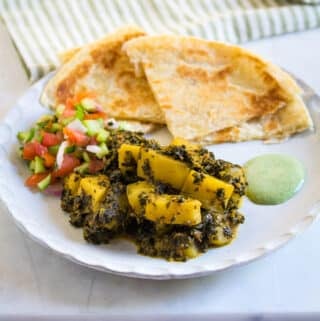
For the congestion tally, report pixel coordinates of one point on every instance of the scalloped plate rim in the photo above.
(158, 274)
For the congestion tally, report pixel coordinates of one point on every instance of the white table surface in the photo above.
(35, 281)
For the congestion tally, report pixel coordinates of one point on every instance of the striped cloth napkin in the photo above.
(42, 28)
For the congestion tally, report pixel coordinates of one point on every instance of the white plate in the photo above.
(266, 227)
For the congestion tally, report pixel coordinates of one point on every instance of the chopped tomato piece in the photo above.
(69, 103)
(93, 141)
(70, 162)
(33, 149)
(50, 139)
(49, 160)
(60, 135)
(34, 179)
(69, 110)
(75, 137)
(95, 166)
(97, 115)
(83, 94)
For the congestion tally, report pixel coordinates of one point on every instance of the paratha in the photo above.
(293, 118)
(203, 87)
(133, 125)
(102, 68)
(66, 56)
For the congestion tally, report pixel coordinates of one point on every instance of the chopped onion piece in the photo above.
(54, 190)
(78, 126)
(93, 149)
(88, 104)
(60, 153)
(99, 107)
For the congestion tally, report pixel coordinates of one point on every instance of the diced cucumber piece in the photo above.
(42, 185)
(88, 104)
(79, 112)
(37, 136)
(53, 150)
(38, 165)
(70, 149)
(82, 168)
(94, 126)
(44, 120)
(55, 127)
(123, 125)
(103, 150)
(25, 137)
(102, 136)
(66, 121)
(86, 157)
(22, 136)
(32, 165)
(20, 151)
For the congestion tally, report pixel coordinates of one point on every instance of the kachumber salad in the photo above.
(173, 201)
(72, 139)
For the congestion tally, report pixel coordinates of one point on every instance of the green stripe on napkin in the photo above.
(42, 28)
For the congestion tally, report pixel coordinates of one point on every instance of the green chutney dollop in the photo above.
(273, 178)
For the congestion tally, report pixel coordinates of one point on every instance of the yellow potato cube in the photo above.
(128, 157)
(192, 149)
(181, 141)
(137, 194)
(157, 167)
(191, 251)
(219, 238)
(210, 191)
(173, 209)
(72, 182)
(96, 187)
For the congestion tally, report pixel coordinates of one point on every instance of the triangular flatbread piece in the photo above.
(293, 118)
(102, 68)
(204, 86)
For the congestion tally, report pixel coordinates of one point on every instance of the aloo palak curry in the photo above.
(174, 202)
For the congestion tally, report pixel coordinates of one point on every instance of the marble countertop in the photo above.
(36, 282)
